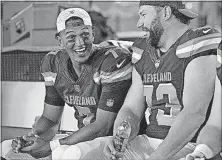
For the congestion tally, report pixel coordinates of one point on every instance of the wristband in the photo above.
(205, 150)
(54, 144)
(195, 154)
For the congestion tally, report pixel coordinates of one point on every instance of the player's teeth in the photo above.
(80, 50)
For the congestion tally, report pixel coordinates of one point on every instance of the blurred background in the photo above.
(27, 34)
(33, 23)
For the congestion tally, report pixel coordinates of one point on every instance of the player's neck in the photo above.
(171, 35)
(78, 67)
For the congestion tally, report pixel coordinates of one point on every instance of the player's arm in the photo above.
(53, 109)
(197, 94)
(209, 139)
(50, 117)
(105, 115)
(133, 105)
(53, 103)
(99, 128)
(134, 108)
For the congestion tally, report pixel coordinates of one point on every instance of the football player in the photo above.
(174, 74)
(209, 139)
(93, 80)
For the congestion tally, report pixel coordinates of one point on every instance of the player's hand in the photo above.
(40, 148)
(16, 144)
(195, 156)
(37, 143)
(110, 151)
(19, 142)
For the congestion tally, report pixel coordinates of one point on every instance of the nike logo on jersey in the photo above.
(205, 31)
(118, 65)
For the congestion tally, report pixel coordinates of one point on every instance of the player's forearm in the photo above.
(134, 122)
(43, 125)
(211, 136)
(86, 133)
(182, 131)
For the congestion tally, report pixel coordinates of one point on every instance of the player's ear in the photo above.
(167, 12)
(59, 37)
(60, 40)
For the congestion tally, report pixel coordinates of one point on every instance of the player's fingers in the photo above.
(119, 155)
(30, 138)
(190, 157)
(109, 150)
(15, 150)
(128, 145)
(27, 149)
(30, 143)
(16, 146)
(14, 143)
(29, 146)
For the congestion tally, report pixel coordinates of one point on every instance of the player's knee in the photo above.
(58, 152)
(6, 147)
(72, 152)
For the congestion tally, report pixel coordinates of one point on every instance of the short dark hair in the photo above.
(73, 18)
(158, 8)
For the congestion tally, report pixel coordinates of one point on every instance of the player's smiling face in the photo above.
(79, 40)
(146, 15)
(150, 21)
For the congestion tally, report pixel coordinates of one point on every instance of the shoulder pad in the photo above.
(50, 61)
(116, 66)
(113, 56)
(48, 69)
(198, 41)
(55, 52)
(49, 66)
(123, 44)
(138, 48)
(104, 44)
(205, 31)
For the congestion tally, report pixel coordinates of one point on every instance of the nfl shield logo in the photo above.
(77, 88)
(109, 102)
(157, 64)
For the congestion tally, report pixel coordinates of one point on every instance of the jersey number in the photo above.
(85, 112)
(163, 104)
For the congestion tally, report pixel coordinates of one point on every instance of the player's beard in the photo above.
(156, 31)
